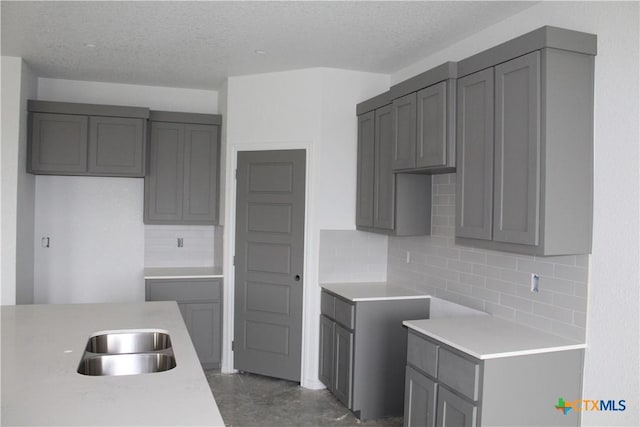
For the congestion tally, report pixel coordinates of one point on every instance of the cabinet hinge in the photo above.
(233, 345)
(234, 260)
(236, 173)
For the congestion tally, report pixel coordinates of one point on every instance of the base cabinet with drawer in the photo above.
(200, 302)
(362, 352)
(447, 387)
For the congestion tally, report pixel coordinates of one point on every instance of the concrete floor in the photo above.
(247, 400)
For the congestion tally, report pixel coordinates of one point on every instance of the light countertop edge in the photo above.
(372, 291)
(183, 273)
(541, 342)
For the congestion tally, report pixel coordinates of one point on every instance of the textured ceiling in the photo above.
(199, 44)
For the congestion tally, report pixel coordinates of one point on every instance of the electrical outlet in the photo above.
(180, 242)
(535, 279)
(408, 257)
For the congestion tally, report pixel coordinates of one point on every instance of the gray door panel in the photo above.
(166, 165)
(404, 132)
(385, 180)
(419, 400)
(517, 151)
(474, 180)
(201, 173)
(59, 143)
(343, 365)
(203, 321)
(454, 411)
(432, 126)
(365, 168)
(116, 146)
(325, 372)
(269, 260)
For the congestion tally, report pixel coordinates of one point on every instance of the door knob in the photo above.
(297, 278)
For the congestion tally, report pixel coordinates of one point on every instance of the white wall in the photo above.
(99, 220)
(26, 198)
(154, 97)
(11, 82)
(96, 251)
(290, 110)
(611, 363)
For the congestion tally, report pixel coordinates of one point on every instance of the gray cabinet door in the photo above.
(517, 150)
(201, 151)
(474, 134)
(432, 126)
(203, 321)
(365, 170)
(164, 187)
(58, 143)
(116, 146)
(325, 370)
(343, 365)
(454, 411)
(385, 179)
(419, 400)
(404, 132)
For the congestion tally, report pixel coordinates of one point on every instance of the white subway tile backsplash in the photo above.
(354, 256)
(161, 246)
(496, 282)
(578, 274)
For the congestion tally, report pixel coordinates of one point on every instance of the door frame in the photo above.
(310, 305)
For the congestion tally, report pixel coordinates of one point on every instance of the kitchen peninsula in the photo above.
(42, 346)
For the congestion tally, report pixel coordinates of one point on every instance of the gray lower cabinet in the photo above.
(86, 139)
(200, 302)
(397, 204)
(446, 387)
(363, 352)
(181, 186)
(525, 153)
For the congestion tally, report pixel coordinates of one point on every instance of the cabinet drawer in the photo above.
(344, 313)
(183, 290)
(459, 373)
(423, 354)
(327, 304)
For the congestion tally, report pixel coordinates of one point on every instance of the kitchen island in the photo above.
(41, 349)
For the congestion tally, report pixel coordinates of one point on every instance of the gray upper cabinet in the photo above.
(517, 150)
(474, 175)
(86, 139)
(365, 170)
(435, 141)
(397, 204)
(424, 121)
(58, 143)
(115, 146)
(404, 132)
(181, 185)
(385, 181)
(525, 145)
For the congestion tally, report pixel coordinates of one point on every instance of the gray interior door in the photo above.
(268, 262)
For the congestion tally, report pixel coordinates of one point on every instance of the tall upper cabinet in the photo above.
(86, 139)
(386, 202)
(423, 113)
(525, 144)
(181, 185)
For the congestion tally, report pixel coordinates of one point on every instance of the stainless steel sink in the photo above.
(128, 342)
(126, 364)
(127, 352)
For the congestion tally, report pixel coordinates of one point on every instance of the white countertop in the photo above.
(372, 291)
(488, 337)
(42, 346)
(183, 273)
